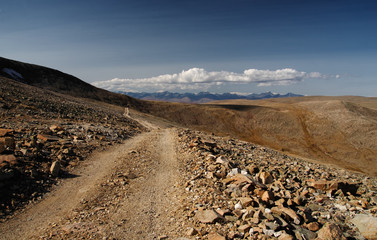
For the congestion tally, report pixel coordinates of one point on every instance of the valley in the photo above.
(90, 164)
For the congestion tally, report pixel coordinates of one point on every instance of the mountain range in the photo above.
(204, 97)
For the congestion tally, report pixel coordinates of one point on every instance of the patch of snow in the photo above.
(13, 73)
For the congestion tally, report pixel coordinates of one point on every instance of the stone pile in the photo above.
(237, 190)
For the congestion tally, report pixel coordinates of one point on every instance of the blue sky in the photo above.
(195, 45)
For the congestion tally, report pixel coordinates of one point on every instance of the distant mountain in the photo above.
(204, 97)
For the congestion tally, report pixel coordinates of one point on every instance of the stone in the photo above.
(238, 179)
(330, 231)
(207, 216)
(48, 138)
(302, 233)
(313, 226)
(291, 213)
(5, 132)
(222, 160)
(285, 236)
(267, 196)
(265, 177)
(244, 228)
(10, 158)
(367, 225)
(215, 236)
(325, 185)
(55, 128)
(191, 232)
(6, 143)
(246, 201)
(55, 168)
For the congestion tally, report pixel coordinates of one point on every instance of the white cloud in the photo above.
(199, 78)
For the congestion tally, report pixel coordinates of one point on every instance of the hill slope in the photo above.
(333, 130)
(57, 81)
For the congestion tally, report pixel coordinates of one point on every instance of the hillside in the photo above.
(330, 130)
(78, 168)
(57, 81)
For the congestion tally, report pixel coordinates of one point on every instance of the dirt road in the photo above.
(130, 191)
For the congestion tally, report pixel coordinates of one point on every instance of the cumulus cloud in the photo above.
(199, 78)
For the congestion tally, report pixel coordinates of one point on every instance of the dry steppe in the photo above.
(332, 130)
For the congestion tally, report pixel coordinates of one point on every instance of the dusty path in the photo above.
(127, 192)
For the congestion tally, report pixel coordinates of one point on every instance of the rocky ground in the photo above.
(111, 179)
(44, 135)
(236, 190)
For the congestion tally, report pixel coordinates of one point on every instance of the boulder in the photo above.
(55, 168)
(367, 225)
(330, 231)
(207, 216)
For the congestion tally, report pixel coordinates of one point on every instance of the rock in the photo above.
(238, 179)
(330, 231)
(10, 158)
(48, 138)
(325, 185)
(285, 236)
(302, 233)
(222, 160)
(191, 232)
(267, 196)
(313, 226)
(55, 128)
(265, 177)
(207, 216)
(55, 168)
(215, 236)
(367, 225)
(6, 143)
(244, 228)
(245, 201)
(5, 132)
(291, 213)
